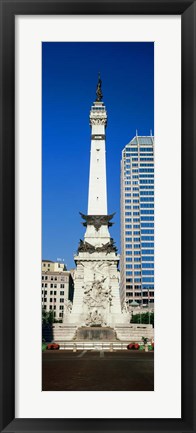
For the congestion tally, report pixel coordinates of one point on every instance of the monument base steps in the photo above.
(89, 337)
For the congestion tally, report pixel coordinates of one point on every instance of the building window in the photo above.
(62, 293)
(46, 278)
(61, 299)
(61, 307)
(148, 272)
(50, 299)
(62, 286)
(145, 252)
(46, 285)
(147, 265)
(54, 292)
(51, 292)
(147, 211)
(148, 279)
(148, 259)
(51, 285)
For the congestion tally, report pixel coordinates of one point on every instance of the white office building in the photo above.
(137, 221)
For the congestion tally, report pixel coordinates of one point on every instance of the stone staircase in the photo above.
(63, 332)
(68, 337)
(134, 332)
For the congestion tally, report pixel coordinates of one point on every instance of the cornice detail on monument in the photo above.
(98, 121)
(97, 220)
(86, 247)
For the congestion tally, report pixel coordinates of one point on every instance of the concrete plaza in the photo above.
(97, 371)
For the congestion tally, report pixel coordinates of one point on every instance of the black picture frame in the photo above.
(8, 11)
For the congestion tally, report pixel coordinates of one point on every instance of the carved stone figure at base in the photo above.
(95, 318)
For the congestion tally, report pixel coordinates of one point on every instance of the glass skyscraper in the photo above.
(137, 221)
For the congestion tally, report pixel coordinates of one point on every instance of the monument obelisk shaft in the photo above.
(97, 198)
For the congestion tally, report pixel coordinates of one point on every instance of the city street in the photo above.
(98, 371)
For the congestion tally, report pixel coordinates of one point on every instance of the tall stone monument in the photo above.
(96, 281)
(96, 312)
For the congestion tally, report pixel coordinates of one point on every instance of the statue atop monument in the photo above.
(98, 90)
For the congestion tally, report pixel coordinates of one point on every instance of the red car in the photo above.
(52, 346)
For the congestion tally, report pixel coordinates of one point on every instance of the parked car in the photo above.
(52, 346)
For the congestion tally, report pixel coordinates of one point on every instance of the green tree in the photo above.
(47, 317)
(143, 318)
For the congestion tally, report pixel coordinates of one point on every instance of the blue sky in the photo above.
(69, 79)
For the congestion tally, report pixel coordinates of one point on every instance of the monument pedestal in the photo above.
(95, 334)
(96, 282)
